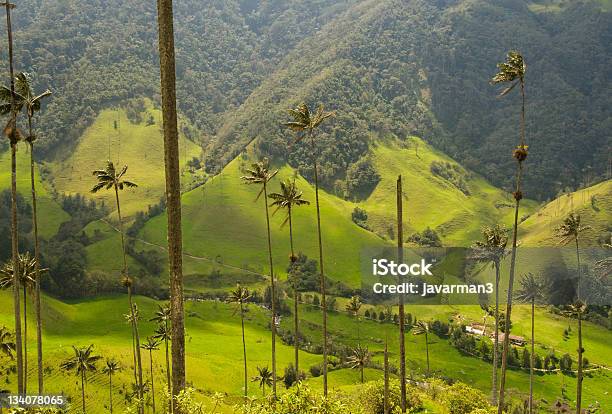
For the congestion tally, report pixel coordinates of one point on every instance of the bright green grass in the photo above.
(429, 200)
(594, 204)
(50, 214)
(214, 352)
(223, 221)
(140, 146)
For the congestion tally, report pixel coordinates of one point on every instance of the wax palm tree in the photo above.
(81, 363)
(132, 318)
(306, 124)
(260, 174)
(359, 359)
(110, 179)
(28, 269)
(399, 195)
(7, 343)
(14, 135)
(569, 232)
(173, 189)
(264, 377)
(513, 71)
(111, 368)
(492, 249)
(151, 344)
(288, 198)
(25, 98)
(423, 328)
(353, 307)
(240, 297)
(531, 291)
(163, 318)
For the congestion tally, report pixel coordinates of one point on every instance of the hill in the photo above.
(407, 68)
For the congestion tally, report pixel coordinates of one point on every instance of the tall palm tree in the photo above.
(288, 198)
(81, 363)
(359, 359)
(264, 377)
(173, 189)
(241, 297)
(259, 174)
(353, 307)
(25, 98)
(151, 344)
(27, 280)
(569, 232)
(492, 249)
(531, 291)
(131, 318)
(110, 369)
(422, 328)
(306, 124)
(163, 317)
(14, 135)
(110, 179)
(7, 344)
(513, 71)
(400, 300)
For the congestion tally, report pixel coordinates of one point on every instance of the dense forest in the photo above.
(390, 68)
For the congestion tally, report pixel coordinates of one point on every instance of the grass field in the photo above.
(140, 146)
(51, 214)
(594, 204)
(215, 368)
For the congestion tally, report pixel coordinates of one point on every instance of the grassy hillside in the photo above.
(139, 145)
(223, 222)
(50, 213)
(433, 201)
(594, 204)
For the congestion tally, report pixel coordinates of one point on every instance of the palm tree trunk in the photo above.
(361, 369)
(517, 197)
(173, 190)
(152, 380)
(39, 356)
(168, 377)
(532, 358)
(386, 385)
(321, 269)
(496, 338)
(402, 314)
(25, 337)
(110, 391)
(244, 354)
(133, 346)
(14, 229)
(138, 365)
(272, 293)
(296, 320)
(427, 352)
(580, 350)
(83, 390)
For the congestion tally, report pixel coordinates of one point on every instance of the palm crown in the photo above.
(259, 173)
(493, 246)
(111, 367)
(82, 361)
(162, 314)
(264, 377)
(420, 328)
(531, 289)
(151, 344)
(571, 228)
(306, 121)
(360, 357)
(288, 197)
(512, 70)
(27, 272)
(241, 295)
(109, 178)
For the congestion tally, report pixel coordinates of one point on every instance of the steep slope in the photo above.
(137, 144)
(594, 204)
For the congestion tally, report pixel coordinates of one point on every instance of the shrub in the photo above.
(371, 398)
(463, 399)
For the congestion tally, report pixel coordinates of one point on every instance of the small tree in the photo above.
(151, 344)
(241, 297)
(422, 328)
(81, 363)
(111, 368)
(360, 359)
(264, 378)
